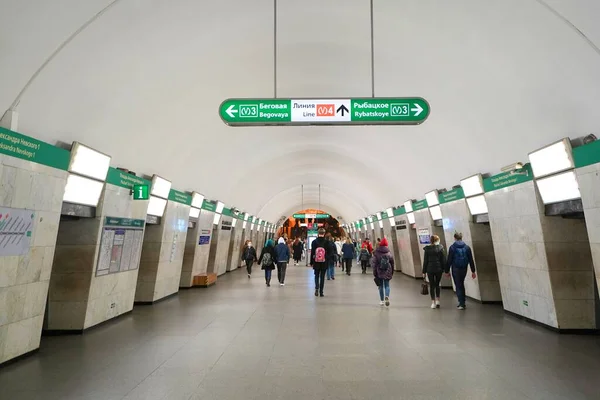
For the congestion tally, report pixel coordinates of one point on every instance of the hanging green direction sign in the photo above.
(313, 216)
(360, 111)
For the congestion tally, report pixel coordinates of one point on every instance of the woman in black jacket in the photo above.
(434, 263)
(267, 259)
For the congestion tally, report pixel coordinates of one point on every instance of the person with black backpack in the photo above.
(267, 260)
(383, 270)
(365, 255)
(319, 259)
(434, 264)
(460, 257)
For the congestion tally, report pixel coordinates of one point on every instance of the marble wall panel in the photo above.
(195, 258)
(24, 280)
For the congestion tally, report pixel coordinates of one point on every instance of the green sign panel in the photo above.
(124, 222)
(587, 155)
(419, 205)
(29, 149)
(399, 211)
(451, 195)
(180, 197)
(209, 206)
(359, 111)
(140, 192)
(313, 216)
(507, 179)
(124, 179)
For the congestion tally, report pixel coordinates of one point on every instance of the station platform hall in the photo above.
(179, 178)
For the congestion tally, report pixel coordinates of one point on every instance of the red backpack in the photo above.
(320, 255)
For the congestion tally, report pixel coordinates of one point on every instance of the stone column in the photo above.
(544, 263)
(35, 191)
(457, 218)
(423, 220)
(224, 232)
(81, 295)
(162, 255)
(197, 246)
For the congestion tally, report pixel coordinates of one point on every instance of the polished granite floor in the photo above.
(241, 340)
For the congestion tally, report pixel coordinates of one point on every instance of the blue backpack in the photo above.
(460, 259)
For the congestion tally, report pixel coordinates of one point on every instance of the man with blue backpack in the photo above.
(460, 257)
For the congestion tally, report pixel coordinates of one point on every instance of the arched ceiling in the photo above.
(142, 80)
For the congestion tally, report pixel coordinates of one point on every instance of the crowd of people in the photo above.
(328, 253)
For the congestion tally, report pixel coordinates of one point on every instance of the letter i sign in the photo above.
(325, 110)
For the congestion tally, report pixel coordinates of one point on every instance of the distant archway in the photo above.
(301, 222)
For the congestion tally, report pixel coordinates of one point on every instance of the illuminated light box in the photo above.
(88, 162)
(197, 199)
(477, 205)
(408, 206)
(432, 198)
(557, 188)
(436, 213)
(160, 187)
(194, 212)
(472, 186)
(220, 207)
(156, 206)
(84, 191)
(216, 219)
(552, 159)
(411, 218)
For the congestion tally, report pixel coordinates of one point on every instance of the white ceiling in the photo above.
(143, 82)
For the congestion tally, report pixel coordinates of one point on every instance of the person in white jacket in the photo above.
(338, 248)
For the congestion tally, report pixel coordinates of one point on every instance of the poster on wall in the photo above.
(204, 239)
(16, 227)
(424, 236)
(120, 245)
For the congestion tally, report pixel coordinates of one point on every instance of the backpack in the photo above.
(320, 255)
(267, 260)
(384, 263)
(460, 259)
(364, 255)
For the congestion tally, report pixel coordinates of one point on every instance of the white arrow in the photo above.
(417, 110)
(230, 111)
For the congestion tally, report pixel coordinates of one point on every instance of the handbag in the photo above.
(424, 289)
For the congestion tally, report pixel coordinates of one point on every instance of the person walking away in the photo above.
(282, 252)
(267, 260)
(338, 248)
(298, 249)
(460, 257)
(249, 256)
(365, 255)
(383, 270)
(348, 255)
(434, 263)
(318, 260)
(332, 257)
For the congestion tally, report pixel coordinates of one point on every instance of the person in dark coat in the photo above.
(267, 260)
(434, 263)
(348, 253)
(319, 259)
(298, 249)
(282, 252)
(460, 257)
(332, 257)
(383, 270)
(249, 256)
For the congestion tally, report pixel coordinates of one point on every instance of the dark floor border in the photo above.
(492, 302)
(592, 332)
(18, 358)
(67, 332)
(149, 303)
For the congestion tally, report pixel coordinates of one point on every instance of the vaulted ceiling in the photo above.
(142, 80)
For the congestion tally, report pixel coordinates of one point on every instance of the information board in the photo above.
(16, 227)
(120, 245)
(424, 236)
(204, 239)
